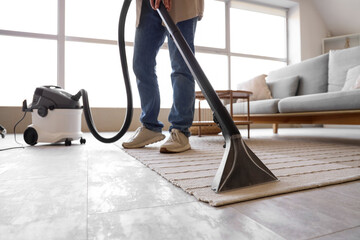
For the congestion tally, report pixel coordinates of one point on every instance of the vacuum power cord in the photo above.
(10, 148)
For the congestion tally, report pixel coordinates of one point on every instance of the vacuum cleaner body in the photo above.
(56, 117)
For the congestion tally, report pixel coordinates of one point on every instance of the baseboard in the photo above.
(342, 126)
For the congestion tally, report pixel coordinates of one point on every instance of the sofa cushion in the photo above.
(267, 106)
(340, 100)
(285, 87)
(313, 74)
(257, 86)
(351, 77)
(340, 61)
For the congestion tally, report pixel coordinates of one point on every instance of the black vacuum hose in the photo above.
(125, 70)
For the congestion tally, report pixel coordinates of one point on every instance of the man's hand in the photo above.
(156, 3)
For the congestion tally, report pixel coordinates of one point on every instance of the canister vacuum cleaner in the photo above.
(56, 117)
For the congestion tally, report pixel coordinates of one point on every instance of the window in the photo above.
(246, 68)
(257, 40)
(256, 31)
(97, 19)
(214, 19)
(216, 69)
(91, 53)
(208, 41)
(26, 63)
(96, 68)
(74, 44)
(37, 16)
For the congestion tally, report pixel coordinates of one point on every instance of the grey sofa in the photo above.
(321, 90)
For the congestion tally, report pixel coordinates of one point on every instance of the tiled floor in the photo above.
(96, 191)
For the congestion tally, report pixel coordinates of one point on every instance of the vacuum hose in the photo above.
(125, 70)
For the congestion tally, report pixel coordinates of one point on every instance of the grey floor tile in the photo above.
(330, 204)
(133, 188)
(119, 182)
(46, 208)
(351, 189)
(294, 218)
(183, 221)
(112, 166)
(44, 162)
(348, 234)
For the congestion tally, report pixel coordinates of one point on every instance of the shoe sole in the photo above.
(178, 150)
(148, 142)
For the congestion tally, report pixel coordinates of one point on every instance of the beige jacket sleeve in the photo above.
(181, 10)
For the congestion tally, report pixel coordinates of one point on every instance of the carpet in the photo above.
(299, 163)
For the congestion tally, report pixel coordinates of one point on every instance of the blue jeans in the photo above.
(149, 36)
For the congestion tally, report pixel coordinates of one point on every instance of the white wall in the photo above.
(317, 19)
(306, 31)
(342, 17)
(312, 28)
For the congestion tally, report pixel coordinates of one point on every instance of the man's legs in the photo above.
(182, 110)
(149, 36)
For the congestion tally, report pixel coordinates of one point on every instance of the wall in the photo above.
(340, 16)
(319, 19)
(306, 31)
(313, 30)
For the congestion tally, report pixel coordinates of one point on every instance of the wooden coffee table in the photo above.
(225, 94)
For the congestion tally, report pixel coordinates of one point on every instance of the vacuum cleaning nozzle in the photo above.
(240, 167)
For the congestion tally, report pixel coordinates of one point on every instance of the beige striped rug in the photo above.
(298, 163)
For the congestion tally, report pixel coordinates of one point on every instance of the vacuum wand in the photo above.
(239, 167)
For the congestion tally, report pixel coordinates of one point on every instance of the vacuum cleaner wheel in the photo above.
(67, 142)
(82, 140)
(30, 136)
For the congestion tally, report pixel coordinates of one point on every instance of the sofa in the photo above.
(320, 90)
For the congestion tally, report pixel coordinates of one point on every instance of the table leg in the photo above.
(199, 128)
(248, 115)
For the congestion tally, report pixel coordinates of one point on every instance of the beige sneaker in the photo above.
(143, 137)
(177, 142)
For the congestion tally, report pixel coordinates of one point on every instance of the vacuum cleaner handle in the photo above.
(228, 126)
